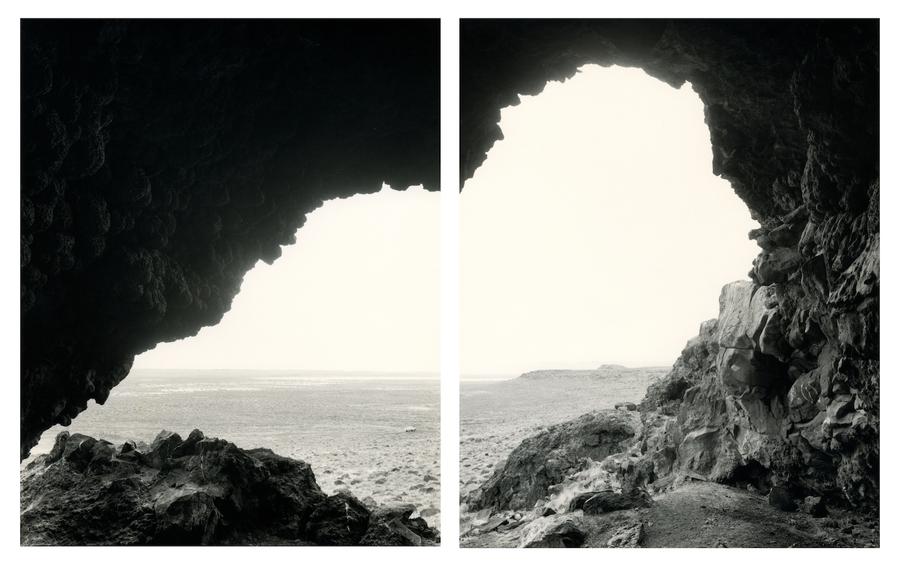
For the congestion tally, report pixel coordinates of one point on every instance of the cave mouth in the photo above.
(595, 232)
(594, 240)
(326, 355)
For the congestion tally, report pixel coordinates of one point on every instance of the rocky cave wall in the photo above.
(783, 387)
(162, 159)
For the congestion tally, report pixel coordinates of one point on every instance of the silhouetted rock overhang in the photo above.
(162, 158)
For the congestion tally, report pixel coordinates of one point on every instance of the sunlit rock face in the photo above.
(161, 160)
(784, 385)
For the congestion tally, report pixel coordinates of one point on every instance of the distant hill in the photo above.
(601, 372)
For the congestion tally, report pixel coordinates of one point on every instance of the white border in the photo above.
(449, 12)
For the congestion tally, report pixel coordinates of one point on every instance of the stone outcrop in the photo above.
(776, 401)
(783, 388)
(161, 159)
(196, 491)
(550, 457)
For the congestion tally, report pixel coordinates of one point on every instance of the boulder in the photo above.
(547, 458)
(577, 502)
(162, 448)
(610, 501)
(188, 446)
(340, 520)
(559, 530)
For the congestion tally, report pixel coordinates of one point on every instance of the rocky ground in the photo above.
(351, 431)
(496, 416)
(777, 397)
(195, 491)
(584, 484)
(697, 514)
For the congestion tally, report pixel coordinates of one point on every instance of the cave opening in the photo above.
(594, 240)
(595, 232)
(328, 355)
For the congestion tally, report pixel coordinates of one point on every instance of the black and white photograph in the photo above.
(669, 268)
(430, 283)
(229, 278)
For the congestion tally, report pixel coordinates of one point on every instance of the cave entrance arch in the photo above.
(326, 355)
(595, 231)
(793, 114)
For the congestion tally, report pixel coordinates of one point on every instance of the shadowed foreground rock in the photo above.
(196, 491)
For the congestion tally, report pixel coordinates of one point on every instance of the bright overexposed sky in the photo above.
(595, 232)
(358, 291)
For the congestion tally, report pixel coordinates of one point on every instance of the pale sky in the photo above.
(595, 232)
(358, 291)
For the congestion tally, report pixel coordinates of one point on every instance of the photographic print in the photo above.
(670, 283)
(229, 282)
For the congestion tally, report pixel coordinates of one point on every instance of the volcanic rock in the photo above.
(200, 491)
(610, 501)
(553, 531)
(550, 456)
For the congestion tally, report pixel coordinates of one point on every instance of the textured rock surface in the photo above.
(196, 491)
(550, 457)
(773, 399)
(611, 501)
(553, 531)
(783, 387)
(697, 514)
(162, 159)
